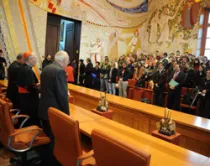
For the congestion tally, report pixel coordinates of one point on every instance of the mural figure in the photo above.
(179, 41)
(134, 41)
(95, 51)
(165, 17)
(144, 37)
(154, 28)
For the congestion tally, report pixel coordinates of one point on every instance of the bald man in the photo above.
(28, 86)
(54, 93)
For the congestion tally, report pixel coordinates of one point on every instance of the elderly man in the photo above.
(54, 93)
(28, 85)
(12, 90)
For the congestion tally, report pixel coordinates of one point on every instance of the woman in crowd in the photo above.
(112, 79)
(123, 80)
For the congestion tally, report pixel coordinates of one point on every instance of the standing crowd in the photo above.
(161, 70)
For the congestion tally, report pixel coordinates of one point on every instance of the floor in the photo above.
(5, 157)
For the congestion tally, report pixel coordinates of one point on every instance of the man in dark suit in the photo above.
(159, 85)
(205, 96)
(88, 74)
(174, 93)
(12, 90)
(47, 61)
(54, 93)
(81, 72)
(28, 86)
(3, 63)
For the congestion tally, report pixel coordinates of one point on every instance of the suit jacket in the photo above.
(53, 90)
(180, 78)
(125, 76)
(89, 69)
(205, 85)
(12, 89)
(160, 79)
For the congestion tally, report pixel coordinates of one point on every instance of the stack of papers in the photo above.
(173, 83)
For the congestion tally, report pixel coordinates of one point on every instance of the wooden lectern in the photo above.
(174, 139)
(107, 114)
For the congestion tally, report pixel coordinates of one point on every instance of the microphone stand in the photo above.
(194, 99)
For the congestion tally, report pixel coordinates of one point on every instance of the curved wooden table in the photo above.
(195, 131)
(162, 153)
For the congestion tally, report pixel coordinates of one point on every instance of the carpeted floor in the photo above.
(5, 157)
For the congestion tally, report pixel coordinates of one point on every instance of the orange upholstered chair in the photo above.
(131, 86)
(68, 150)
(109, 150)
(184, 91)
(131, 83)
(137, 94)
(19, 140)
(148, 93)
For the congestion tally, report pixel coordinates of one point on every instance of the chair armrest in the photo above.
(15, 110)
(20, 116)
(84, 156)
(22, 131)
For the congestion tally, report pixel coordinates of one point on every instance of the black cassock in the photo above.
(28, 93)
(12, 90)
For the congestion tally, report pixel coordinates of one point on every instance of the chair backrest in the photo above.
(148, 93)
(130, 93)
(111, 151)
(184, 91)
(131, 83)
(6, 125)
(67, 137)
(137, 94)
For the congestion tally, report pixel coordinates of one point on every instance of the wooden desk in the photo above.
(162, 153)
(195, 131)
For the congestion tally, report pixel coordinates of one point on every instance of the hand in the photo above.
(156, 85)
(38, 84)
(121, 79)
(172, 87)
(204, 92)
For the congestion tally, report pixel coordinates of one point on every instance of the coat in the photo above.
(54, 91)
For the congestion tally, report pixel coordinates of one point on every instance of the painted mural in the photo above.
(110, 29)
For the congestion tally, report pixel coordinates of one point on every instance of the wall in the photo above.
(119, 30)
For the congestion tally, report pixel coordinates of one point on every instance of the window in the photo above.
(203, 46)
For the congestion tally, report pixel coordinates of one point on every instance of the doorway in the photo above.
(63, 34)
